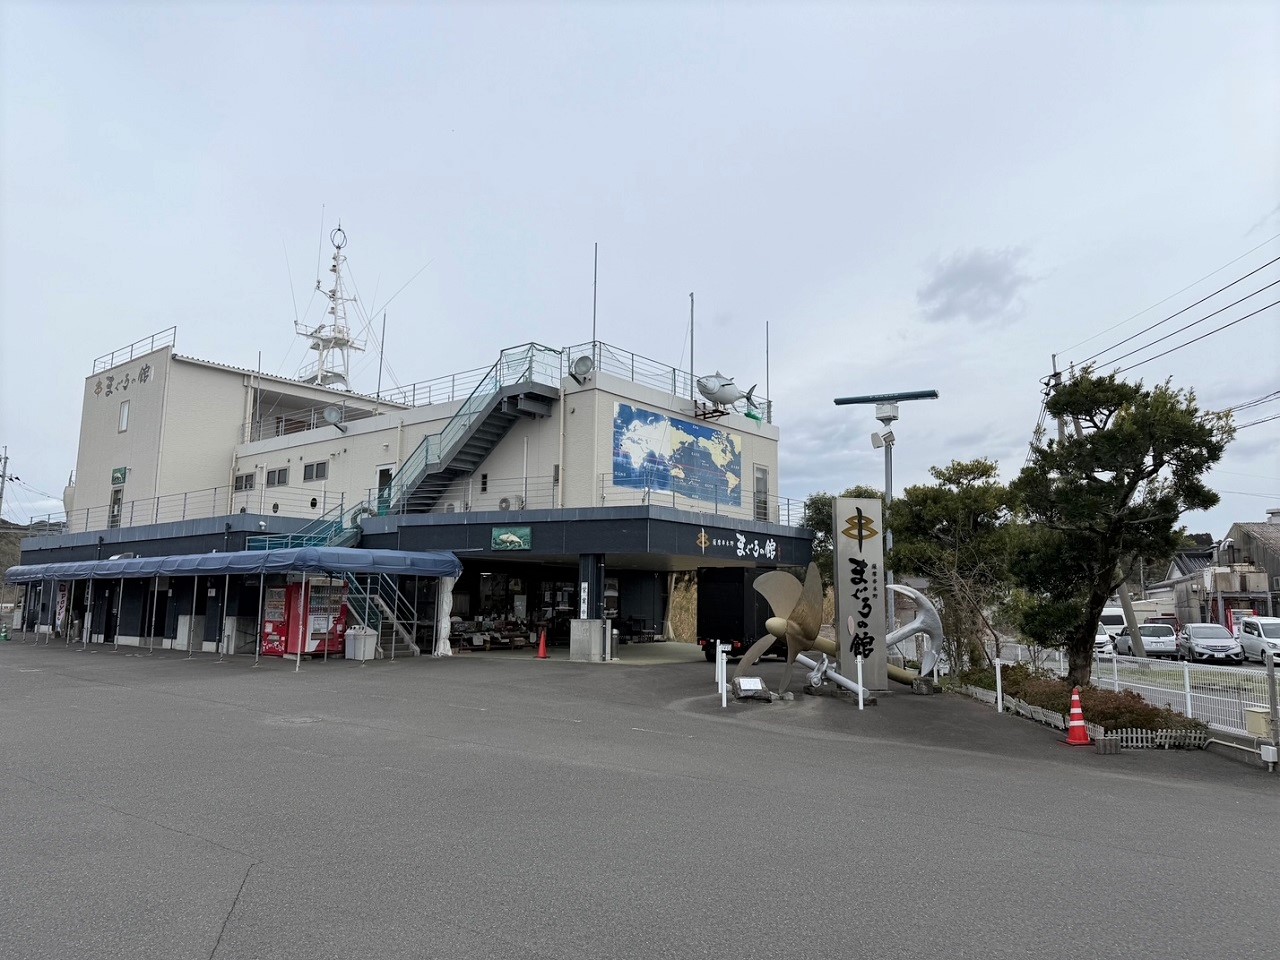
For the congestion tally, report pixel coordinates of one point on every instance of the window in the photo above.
(760, 500)
(484, 483)
(278, 478)
(244, 481)
(124, 416)
(315, 471)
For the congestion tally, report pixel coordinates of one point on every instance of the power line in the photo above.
(1199, 338)
(1255, 402)
(1182, 311)
(1188, 326)
(1172, 295)
(1254, 423)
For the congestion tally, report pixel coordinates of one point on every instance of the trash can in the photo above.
(361, 644)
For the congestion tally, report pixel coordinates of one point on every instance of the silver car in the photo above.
(1158, 640)
(1260, 638)
(1209, 641)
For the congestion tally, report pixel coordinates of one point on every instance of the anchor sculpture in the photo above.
(927, 622)
(797, 619)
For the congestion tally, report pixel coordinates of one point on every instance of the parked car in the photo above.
(1102, 645)
(1158, 640)
(1113, 620)
(1260, 638)
(1209, 641)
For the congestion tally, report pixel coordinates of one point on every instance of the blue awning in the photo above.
(436, 563)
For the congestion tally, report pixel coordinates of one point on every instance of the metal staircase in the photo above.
(339, 527)
(523, 383)
(375, 601)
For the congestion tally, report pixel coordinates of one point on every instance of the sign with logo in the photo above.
(118, 475)
(511, 538)
(858, 533)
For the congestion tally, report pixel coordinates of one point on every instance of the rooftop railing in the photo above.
(333, 515)
(165, 338)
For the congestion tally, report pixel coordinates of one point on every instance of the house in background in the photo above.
(1236, 577)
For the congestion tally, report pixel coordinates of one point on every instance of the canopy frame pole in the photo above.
(88, 619)
(155, 603)
(222, 619)
(191, 621)
(115, 644)
(303, 625)
(262, 602)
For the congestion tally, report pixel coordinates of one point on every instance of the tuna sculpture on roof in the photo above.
(723, 392)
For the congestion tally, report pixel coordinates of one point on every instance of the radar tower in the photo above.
(332, 339)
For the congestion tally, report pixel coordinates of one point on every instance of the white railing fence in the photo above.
(1221, 697)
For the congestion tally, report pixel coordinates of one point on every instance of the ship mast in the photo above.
(332, 339)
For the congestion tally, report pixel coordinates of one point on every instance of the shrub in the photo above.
(1111, 710)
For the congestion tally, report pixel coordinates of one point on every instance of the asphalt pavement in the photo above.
(489, 806)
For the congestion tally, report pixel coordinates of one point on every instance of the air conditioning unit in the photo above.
(511, 503)
(450, 508)
(504, 504)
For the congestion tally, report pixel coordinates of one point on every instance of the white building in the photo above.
(551, 469)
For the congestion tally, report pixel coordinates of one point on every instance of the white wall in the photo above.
(103, 447)
(589, 414)
(354, 458)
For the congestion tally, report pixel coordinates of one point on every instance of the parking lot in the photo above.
(484, 807)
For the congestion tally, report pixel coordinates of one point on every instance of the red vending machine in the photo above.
(309, 616)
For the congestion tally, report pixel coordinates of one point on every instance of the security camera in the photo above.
(262, 524)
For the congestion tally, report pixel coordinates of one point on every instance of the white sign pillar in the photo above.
(858, 536)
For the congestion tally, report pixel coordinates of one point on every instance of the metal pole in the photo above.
(999, 688)
(1115, 672)
(222, 621)
(303, 625)
(155, 602)
(1186, 684)
(890, 611)
(1272, 696)
(115, 646)
(262, 601)
(595, 278)
(692, 376)
(858, 661)
(88, 618)
(195, 598)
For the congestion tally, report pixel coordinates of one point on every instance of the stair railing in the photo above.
(529, 363)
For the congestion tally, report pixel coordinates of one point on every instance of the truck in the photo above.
(731, 612)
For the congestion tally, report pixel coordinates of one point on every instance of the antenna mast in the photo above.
(332, 339)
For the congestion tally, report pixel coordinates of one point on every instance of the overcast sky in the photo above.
(910, 195)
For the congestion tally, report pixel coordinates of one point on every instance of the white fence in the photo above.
(1219, 696)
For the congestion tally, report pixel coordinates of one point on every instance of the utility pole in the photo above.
(4, 475)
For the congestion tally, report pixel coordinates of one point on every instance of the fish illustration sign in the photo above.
(511, 538)
(857, 529)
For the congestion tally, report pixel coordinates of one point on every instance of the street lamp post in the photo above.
(887, 412)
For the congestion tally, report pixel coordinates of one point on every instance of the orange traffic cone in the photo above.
(1077, 735)
(542, 644)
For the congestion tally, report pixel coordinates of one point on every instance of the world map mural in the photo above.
(656, 452)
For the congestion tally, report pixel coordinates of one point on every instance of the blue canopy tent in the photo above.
(440, 563)
(327, 561)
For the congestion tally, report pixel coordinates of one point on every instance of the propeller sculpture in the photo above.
(797, 617)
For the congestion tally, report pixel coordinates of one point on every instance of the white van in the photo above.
(1112, 620)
